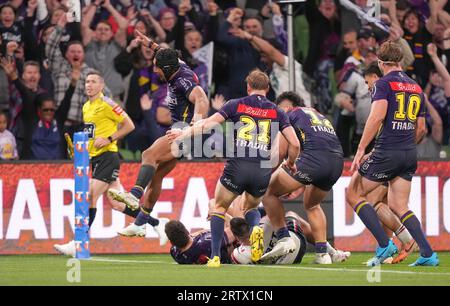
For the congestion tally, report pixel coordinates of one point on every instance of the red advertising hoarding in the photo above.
(36, 207)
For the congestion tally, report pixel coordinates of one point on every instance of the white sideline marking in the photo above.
(101, 259)
(344, 269)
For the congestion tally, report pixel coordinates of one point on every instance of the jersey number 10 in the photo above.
(411, 110)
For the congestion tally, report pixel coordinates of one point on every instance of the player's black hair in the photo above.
(167, 60)
(240, 228)
(296, 100)
(373, 69)
(177, 233)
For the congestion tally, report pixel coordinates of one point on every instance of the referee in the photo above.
(105, 122)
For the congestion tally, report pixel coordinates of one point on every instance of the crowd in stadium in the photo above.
(49, 46)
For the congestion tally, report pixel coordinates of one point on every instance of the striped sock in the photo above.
(145, 176)
(403, 235)
(253, 217)
(217, 231)
(370, 219)
(282, 233)
(137, 191)
(415, 229)
(135, 213)
(321, 247)
(143, 217)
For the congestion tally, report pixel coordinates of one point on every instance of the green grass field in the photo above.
(160, 270)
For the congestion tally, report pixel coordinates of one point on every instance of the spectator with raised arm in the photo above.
(42, 120)
(324, 38)
(10, 29)
(430, 146)
(438, 90)
(136, 66)
(242, 57)
(419, 35)
(148, 25)
(278, 64)
(102, 45)
(278, 24)
(61, 68)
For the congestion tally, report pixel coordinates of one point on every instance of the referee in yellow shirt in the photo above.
(105, 122)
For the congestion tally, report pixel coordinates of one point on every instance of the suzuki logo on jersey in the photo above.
(405, 87)
(257, 112)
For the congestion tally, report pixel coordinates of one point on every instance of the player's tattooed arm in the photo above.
(293, 149)
(197, 128)
(200, 100)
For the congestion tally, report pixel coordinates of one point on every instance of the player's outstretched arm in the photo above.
(146, 41)
(200, 100)
(198, 128)
(376, 118)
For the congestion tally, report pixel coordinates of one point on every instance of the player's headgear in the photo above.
(167, 60)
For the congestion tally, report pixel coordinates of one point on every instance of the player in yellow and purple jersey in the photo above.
(397, 120)
(255, 120)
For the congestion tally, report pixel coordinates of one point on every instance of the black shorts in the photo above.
(239, 176)
(383, 166)
(319, 169)
(105, 167)
(294, 226)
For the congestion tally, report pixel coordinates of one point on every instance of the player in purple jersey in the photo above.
(378, 197)
(196, 248)
(397, 118)
(188, 103)
(318, 168)
(255, 120)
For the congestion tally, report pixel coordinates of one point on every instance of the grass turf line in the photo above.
(161, 270)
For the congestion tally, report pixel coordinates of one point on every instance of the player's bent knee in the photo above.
(148, 156)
